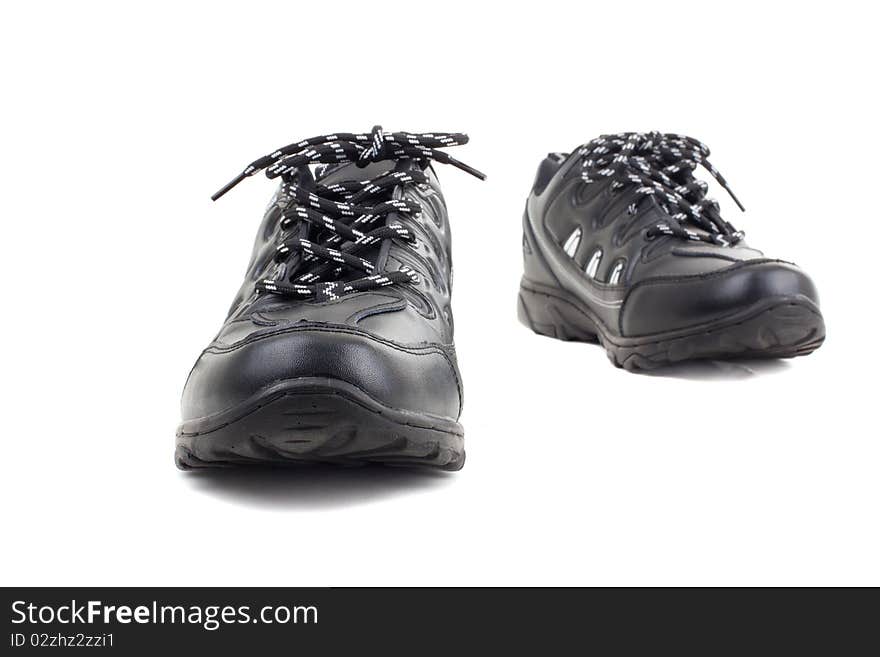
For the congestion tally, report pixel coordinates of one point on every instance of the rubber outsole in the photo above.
(780, 327)
(319, 421)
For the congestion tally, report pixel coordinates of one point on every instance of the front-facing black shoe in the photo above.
(338, 347)
(622, 245)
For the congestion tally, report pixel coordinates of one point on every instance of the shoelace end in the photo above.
(467, 169)
(735, 199)
(228, 186)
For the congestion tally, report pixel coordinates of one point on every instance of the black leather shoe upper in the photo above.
(393, 342)
(611, 248)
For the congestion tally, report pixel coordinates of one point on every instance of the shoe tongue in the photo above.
(334, 173)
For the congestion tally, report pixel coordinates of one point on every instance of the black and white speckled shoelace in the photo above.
(350, 216)
(663, 166)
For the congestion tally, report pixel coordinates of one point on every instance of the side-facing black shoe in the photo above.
(338, 347)
(622, 245)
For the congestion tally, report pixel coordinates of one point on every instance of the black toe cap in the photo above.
(668, 304)
(417, 379)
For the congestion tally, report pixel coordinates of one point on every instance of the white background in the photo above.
(118, 123)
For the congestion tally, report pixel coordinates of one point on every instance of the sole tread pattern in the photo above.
(335, 429)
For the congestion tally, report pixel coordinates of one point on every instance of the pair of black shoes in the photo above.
(339, 345)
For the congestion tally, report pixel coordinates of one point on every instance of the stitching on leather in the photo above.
(661, 280)
(260, 319)
(682, 253)
(319, 328)
(377, 309)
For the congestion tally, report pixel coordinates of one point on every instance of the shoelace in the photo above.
(348, 217)
(663, 166)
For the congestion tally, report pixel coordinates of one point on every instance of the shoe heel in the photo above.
(553, 316)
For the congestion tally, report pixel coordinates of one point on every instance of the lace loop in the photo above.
(345, 219)
(663, 166)
(376, 151)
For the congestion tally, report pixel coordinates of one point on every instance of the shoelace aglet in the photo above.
(232, 183)
(735, 199)
(467, 168)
